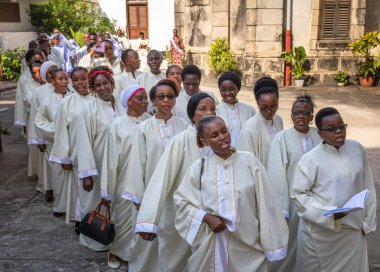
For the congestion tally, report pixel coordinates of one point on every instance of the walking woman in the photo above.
(94, 122)
(177, 49)
(259, 131)
(286, 150)
(225, 209)
(156, 214)
(150, 141)
(117, 157)
(326, 178)
(233, 112)
(65, 146)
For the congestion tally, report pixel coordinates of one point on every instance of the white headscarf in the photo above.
(45, 67)
(127, 94)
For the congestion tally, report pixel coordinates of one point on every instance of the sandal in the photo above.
(57, 214)
(49, 196)
(76, 228)
(113, 265)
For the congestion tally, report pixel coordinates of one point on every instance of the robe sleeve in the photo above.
(188, 203)
(86, 138)
(159, 187)
(61, 147)
(34, 135)
(111, 159)
(274, 232)
(20, 113)
(369, 224)
(277, 172)
(44, 123)
(307, 206)
(135, 184)
(246, 141)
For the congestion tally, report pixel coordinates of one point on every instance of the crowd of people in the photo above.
(194, 183)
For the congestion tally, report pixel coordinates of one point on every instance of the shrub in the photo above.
(11, 63)
(296, 58)
(221, 58)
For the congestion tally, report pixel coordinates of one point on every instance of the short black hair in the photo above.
(33, 43)
(154, 51)
(78, 69)
(265, 85)
(30, 53)
(56, 71)
(172, 67)
(305, 98)
(191, 69)
(323, 113)
(92, 34)
(90, 45)
(124, 54)
(204, 122)
(166, 82)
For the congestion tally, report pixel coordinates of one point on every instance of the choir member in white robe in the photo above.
(65, 146)
(129, 77)
(174, 72)
(45, 121)
(117, 157)
(233, 112)
(35, 138)
(191, 77)
(150, 78)
(326, 178)
(286, 151)
(156, 214)
(150, 141)
(259, 131)
(225, 209)
(94, 122)
(113, 60)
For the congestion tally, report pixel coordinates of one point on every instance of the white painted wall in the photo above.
(115, 9)
(301, 23)
(24, 24)
(11, 40)
(161, 23)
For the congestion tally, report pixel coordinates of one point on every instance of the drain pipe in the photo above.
(288, 40)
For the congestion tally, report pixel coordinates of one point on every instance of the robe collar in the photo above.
(224, 162)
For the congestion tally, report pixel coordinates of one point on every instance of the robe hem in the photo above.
(88, 173)
(36, 141)
(59, 160)
(277, 254)
(131, 197)
(146, 227)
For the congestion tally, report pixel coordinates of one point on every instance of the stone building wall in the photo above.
(256, 29)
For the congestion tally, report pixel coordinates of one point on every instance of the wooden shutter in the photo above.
(335, 19)
(10, 12)
(137, 19)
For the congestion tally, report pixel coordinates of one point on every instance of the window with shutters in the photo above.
(137, 13)
(9, 12)
(335, 19)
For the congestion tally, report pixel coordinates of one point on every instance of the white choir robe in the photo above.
(257, 135)
(116, 70)
(117, 156)
(36, 138)
(286, 151)
(238, 190)
(93, 124)
(326, 178)
(24, 92)
(149, 142)
(156, 213)
(55, 56)
(148, 80)
(65, 147)
(45, 121)
(81, 53)
(180, 108)
(234, 116)
(123, 81)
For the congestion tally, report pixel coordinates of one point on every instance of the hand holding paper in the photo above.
(357, 202)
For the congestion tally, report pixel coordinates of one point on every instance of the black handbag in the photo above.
(97, 226)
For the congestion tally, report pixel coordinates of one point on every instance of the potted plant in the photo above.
(362, 47)
(341, 78)
(296, 58)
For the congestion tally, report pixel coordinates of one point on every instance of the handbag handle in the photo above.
(97, 211)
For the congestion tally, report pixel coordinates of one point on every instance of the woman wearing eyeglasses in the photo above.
(149, 142)
(286, 150)
(326, 178)
(259, 131)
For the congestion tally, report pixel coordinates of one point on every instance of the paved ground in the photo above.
(31, 239)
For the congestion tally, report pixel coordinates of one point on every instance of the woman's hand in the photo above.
(339, 215)
(137, 205)
(88, 184)
(105, 202)
(67, 166)
(215, 223)
(147, 236)
(42, 147)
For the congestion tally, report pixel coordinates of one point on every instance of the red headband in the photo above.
(99, 72)
(139, 89)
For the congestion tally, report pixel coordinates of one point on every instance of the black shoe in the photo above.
(76, 228)
(57, 214)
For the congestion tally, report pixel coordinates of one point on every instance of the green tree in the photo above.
(69, 15)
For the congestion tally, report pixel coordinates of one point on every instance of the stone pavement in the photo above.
(31, 239)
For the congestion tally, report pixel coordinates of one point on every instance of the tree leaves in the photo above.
(220, 58)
